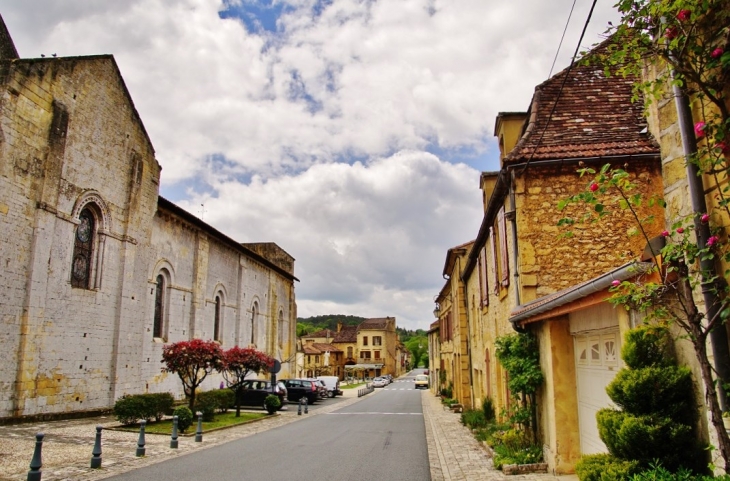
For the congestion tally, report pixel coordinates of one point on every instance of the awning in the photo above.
(363, 366)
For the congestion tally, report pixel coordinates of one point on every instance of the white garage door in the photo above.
(597, 361)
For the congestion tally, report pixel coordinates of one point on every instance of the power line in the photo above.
(562, 85)
(557, 52)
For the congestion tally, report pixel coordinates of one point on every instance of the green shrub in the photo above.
(473, 418)
(447, 392)
(184, 418)
(604, 467)
(647, 346)
(488, 409)
(272, 403)
(207, 402)
(128, 409)
(514, 447)
(659, 473)
(226, 399)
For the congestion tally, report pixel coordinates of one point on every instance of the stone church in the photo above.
(98, 271)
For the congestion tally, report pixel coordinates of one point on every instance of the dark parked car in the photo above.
(301, 388)
(255, 391)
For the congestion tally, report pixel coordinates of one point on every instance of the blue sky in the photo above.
(350, 132)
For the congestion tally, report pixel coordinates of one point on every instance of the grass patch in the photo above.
(220, 421)
(352, 386)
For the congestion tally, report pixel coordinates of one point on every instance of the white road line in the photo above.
(412, 414)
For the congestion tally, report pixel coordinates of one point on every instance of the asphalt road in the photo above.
(382, 437)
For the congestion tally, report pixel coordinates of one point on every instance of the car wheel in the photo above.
(330, 394)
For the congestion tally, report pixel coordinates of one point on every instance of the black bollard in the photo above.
(35, 464)
(140, 442)
(173, 441)
(199, 432)
(96, 452)
(299, 408)
(306, 406)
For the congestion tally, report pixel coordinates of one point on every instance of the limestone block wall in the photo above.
(70, 137)
(549, 263)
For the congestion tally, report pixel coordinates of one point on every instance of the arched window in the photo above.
(254, 313)
(217, 320)
(83, 250)
(158, 329)
(349, 352)
(281, 329)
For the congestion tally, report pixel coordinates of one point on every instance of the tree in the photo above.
(192, 361)
(686, 46)
(238, 363)
(519, 355)
(418, 346)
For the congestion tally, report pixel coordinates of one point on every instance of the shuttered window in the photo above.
(503, 253)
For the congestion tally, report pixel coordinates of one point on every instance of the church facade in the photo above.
(98, 271)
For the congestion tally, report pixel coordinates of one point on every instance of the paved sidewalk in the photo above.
(454, 454)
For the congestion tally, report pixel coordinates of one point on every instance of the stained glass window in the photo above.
(83, 247)
(159, 305)
(217, 320)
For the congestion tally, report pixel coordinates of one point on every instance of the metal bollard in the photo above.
(140, 441)
(35, 464)
(299, 408)
(306, 406)
(173, 441)
(96, 452)
(199, 432)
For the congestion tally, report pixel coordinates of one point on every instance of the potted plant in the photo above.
(272, 403)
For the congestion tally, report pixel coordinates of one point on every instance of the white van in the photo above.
(333, 385)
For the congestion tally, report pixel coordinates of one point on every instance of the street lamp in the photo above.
(436, 311)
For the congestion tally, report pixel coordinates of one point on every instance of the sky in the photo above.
(352, 133)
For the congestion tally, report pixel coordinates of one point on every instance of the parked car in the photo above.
(333, 385)
(255, 391)
(321, 387)
(421, 381)
(379, 382)
(301, 388)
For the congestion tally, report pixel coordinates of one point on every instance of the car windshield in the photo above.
(421, 377)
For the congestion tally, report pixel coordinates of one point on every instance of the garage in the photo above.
(597, 360)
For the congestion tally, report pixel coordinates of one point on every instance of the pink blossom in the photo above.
(722, 147)
(615, 283)
(700, 130)
(712, 240)
(680, 230)
(593, 187)
(665, 233)
(671, 33)
(683, 15)
(717, 52)
(705, 218)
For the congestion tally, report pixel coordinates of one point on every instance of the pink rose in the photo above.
(705, 218)
(593, 187)
(680, 230)
(671, 33)
(712, 240)
(683, 15)
(700, 130)
(722, 147)
(615, 283)
(665, 233)
(717, 52)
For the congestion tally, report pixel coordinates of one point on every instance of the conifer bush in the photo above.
(658, 414)
(184, 418)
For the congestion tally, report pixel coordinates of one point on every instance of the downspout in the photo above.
(515, 247)
(718, 336)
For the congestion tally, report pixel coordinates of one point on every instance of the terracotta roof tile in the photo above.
(322, 333)
(346, 334)
(375, 323)
(324, 347)
(594, 116)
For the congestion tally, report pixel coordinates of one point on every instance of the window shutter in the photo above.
(502, 226)
(483, 279)
(493, 245)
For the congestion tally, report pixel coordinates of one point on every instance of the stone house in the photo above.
(520, 261)
(98, 270)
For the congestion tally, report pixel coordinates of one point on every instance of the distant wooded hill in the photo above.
(306, 325)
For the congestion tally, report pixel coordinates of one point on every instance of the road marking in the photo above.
(412, 414)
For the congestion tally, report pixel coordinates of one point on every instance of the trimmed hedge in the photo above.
(184, 418)
(217, 400)
(132, 407)
(604, 467)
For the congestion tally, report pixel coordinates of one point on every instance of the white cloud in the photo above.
(378, 81)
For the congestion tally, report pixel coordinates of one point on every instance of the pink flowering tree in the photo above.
(685, 44)
(192, 361)
(238, 363)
